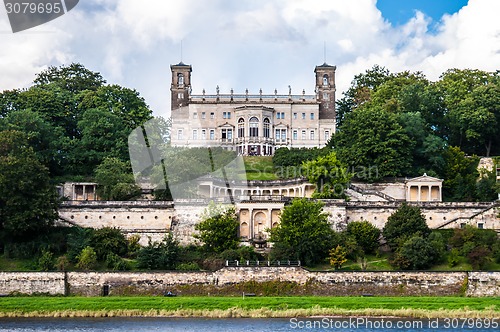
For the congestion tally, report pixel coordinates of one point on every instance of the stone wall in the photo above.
(234, 280)
(52, 283)
(148, 219)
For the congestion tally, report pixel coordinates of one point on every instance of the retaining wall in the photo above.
(233, 280)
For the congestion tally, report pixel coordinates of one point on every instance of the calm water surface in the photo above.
(233, 325)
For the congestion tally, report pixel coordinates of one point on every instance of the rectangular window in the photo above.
(224, 115)
(327, 135)
(303, 134)
(226, 134)
(312, 116)
(303, 116)
(295, 135)
(311, 135)
(295, 116)
(228, 115)
(212, 115)
(180, 134)
(195, 115)
(277, 134)
(282, 115)
(180, 95)
(202, 115)
(195, 134)
(203, 134)
(326, 95)
(278, 115)
(480, 225)
(212, 134)
(283, 135)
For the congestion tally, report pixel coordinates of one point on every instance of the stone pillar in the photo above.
(250, 223)
(429, 194)
(419, 197)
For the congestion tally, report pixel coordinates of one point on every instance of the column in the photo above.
(419, 193)
(429, 196)
(250, 224)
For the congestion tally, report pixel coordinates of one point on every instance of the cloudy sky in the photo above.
(253, 44)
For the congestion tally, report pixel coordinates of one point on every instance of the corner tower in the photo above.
(181, 85)
(325, 89)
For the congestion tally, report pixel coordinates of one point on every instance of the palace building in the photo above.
(252, 124)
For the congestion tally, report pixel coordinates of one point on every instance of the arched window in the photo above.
(180, 79)
(241, 128)
(266, 128)
(254, 127)
(325, 80)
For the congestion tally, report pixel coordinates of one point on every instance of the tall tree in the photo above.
(304, 231)
(28, 202)
(372, 137)
(403, 224)
(218, 230)
(116, 181)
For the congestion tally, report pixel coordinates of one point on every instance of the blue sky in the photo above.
(253, 44)
(398, 12)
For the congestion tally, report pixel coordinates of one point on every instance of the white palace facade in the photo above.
(252, 124)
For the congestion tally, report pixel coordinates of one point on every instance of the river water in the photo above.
(241, 324)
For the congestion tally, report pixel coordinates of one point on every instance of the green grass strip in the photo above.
(422, 307)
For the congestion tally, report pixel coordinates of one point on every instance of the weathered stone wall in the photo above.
(232, 280)
(52, 283)
(186, 217)
(148, 219)
(437, 214)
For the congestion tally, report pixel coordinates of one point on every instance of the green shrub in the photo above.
(188, 267)
(46, 261)
(109, 240)
(453, 257)
(116, 263)
(87, 259)
(62, 263)
(479, 257)
(156, 256)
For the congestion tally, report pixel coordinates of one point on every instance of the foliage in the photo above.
(115, 180)
(479, 257)
(133, 245)
(337, 257)
(304, 231)
(218, 229)
(372, 137)
(28, 201)
(46, 261)
(365, 234)
(330, 176)
(108, 240)
(486, 186)
(284, 157)
(116, 263)
(79, 239)
(403, 224)
(188, 267)
(62, 263)
(415, 253)
(460, 175)
(87, 259)
(159, 256)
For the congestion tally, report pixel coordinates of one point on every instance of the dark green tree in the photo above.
(406, 222)
(159, 256)
(365, 234)
(73, 78)
(28, 202)
(218, 229)
(329, 175)
(415, 253)
(115, 180)
(108, 240)
(372, 137)
(460, 175)
(304, 231)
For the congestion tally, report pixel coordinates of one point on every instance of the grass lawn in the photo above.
(260, 168)
(249, 306)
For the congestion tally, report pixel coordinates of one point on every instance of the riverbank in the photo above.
(253, 307)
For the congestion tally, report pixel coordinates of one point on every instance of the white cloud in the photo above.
(246, 44)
